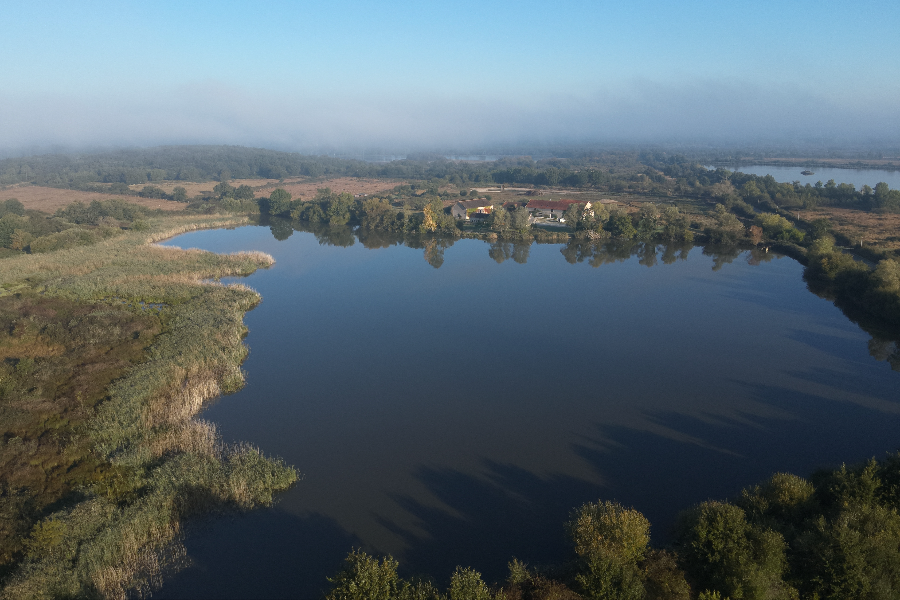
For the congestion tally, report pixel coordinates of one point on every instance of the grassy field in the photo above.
(49, 200)
(108, 353)
(881, 230)
(299, 187)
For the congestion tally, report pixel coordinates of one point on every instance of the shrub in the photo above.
(776, 227)
(722, 552)
(609, 529)
(466, 584)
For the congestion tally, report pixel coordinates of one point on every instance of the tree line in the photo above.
(651, 173)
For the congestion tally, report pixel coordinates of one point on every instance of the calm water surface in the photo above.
(857, 177)
(455, 415)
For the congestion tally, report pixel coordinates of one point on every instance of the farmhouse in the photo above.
(464, 208)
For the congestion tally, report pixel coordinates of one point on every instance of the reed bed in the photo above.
(163, 464)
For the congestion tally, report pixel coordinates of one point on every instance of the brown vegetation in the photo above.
(199, 188)
(306, 188)
(49, 200)
(101, 456)
(57, 358)
(874, 229)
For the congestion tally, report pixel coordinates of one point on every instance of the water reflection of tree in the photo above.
(647, 254)
(884, 344)
(434, 250)
(886, 350)
(722, 255)
(502, 251)
(599, 253)
(336, 236)
(377, 238)
(672, 253)
(521, 252)
(281, 228)
(758, 256)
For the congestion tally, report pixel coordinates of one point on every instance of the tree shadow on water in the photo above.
(677, 460)
(484, 520)
(267, 553)
(661, 466)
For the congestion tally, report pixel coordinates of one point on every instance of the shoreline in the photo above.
(158, 463)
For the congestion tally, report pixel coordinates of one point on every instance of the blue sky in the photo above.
(298, 74)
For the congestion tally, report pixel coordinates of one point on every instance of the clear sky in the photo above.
(430, 74)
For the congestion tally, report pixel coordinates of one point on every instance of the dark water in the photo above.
(455, 415)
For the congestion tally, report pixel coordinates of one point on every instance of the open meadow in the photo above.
(49, 200)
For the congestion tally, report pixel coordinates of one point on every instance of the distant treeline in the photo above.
(653, 173)
(768, 193)
(835, 536)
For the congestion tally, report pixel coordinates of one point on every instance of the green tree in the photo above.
(466, 584)
(279, 202)
(499, 219)
(12, 206)
(610, 540)
(649, 221)
(337, 208)
(777, 227)
(819, 228)
(886, 277)
(519, 219)
(223, 190)
(364, 577)
(727, 229)
(433, 211)
(722, 552)
(244, 192)
(572, 215)
(663, 580)
(855, 554)
(179, 194)
(882, 192)
(595, 218)
(676, 226)
(619, 225)
(782, 502)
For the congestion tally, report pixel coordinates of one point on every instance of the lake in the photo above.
(857, 177)
(455, 415)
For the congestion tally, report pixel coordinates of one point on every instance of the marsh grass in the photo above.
(116, 531)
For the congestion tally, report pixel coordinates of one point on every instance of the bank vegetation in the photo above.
(834, 536)
(109, 347)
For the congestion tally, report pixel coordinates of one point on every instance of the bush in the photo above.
(609, 529)
(82, 214)
(776, 227)
(11, 206)
(466, 584)
(69, 238)
(610, 541)
(721, 552)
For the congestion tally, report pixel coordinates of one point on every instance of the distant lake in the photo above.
(454, 415)
(857, 177)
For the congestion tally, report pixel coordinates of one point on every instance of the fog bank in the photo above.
(695, 112)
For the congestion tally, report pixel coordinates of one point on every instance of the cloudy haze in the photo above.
(297, 75)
